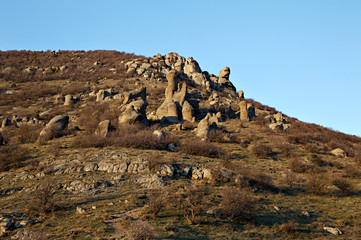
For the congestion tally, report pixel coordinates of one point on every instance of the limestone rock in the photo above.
(80, 210)
(332, 230)
(191, 66)
(103, 128)
(55, 125)
(339, 152)
(240, 94)
(207, 123)
(187, 111)
(134, 112)
(223, 78)
(59, 99)
(251, 111)
(69, 100)
(243, 111)
(101, 95)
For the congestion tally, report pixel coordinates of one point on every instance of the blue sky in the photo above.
(301, 56)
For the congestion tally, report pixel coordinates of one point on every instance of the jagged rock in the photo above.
(69, 100)
(339, 152)
(191, 66)
(199, 173)
(243, 111)
(279, 118)
(223, 78)
(55, 125)
(171, 147)
(166, 170)
(240, 94)
(134, 112)
(80, 210)
(90, 167)
(153, 182)
(174, 60)
(138, 166)
(251, 111)
(187, 112)
(332, 230)
(159, 133)
(101, 95)
(103, 128)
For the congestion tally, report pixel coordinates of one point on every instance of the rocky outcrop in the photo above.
(134, 109)
(187, 112)
(338, 152)
(278, 122)
(69, 100)
(223, 79)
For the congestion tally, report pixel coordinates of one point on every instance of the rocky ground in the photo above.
(108, 145)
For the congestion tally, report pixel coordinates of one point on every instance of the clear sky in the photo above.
(302, 57)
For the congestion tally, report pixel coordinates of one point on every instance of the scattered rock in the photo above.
(55, 125)
(103, 128)
(339, 152)
(334, 231)
(80, 210)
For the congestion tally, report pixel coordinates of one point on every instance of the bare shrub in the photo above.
(53, 150)
(286, 149)
(43, 201)
(140, 230)
(75, 87)
(154, 162)
(352, 171)
(12, 157)
(290, 227)
(343, 185)
(193, 202)
(219, 136)
(317, 160)
(291, 179)
(226, 160)
(261, 150)
(238, 204)
(197, 147)
(87, 141)
(316, 183)
(260, 179)
(28, 133)
(297, 165)
(156, 201)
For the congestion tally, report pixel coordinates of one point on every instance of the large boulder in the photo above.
(187, 111)
(206, 124)
(339, 152)
(55, 125)
(69, 100)
(134, 112)
(243, 111)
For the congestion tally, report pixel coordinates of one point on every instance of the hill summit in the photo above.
(111, 145)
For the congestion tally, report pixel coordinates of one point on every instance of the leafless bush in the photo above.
(140, 230)
(189, 125)
(12, 157)
(53, 150)
(317, 160)
(297, 165)
(290, 178)
(218, 135)
(87, 141)
(261, 150)
(43, 201)
(260, 179)
(343, 185)
(290, 227)
(154, 162)
(28, 133)
(193, 203)
(316, 183)
(197, 147)
(226, 160)
(156, 201)
(286, 149)
(238, 204)
(352, 171)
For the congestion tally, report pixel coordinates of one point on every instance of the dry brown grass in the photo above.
(140, 230)
(316, 183)
(12, 157)
(261, 150)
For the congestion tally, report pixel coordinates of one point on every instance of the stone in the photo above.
(90, 167)
(243, 111)
(103, 128)
(80, 210)
(240, 94)
(339, 152)
(1, 140)
(305, 214)
(171, 147)
(159, 133)
(59, 99)
(55, 125)
(332, 230)
(223, 78)
(279, 118)
(251, 111)
(191, 66)
(207, 123)
(134, 112)
(187, 112)
(69, 100)
(101, 95)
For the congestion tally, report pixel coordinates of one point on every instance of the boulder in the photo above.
(191, 66)
(332, 230)
(101, 95)
(103, 128)
(207, 123)
(241, 94)
(134, 112)
(59, 99)
(339, 152)
(55, 125)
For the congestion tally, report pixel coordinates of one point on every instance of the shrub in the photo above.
(316, 183)
(317, 160)
(189, 125)
(352, 171)
(87, 141)
(344, 186)
(289, 227)
(140, 230)
(291, 178)
(286, 149)
(156, 201)
(219, 136)
(44, 196)
(260, 179)
(53, 150)
(201, 148)
(237, 204)
(154, 162)
(12, 157)
(28, 133)
(297, 165)
(261, 150)
(193, 203)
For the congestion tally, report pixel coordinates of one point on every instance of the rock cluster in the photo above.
(134, 108)
(55, 125)
(277, 121)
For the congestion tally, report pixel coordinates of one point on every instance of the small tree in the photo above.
(193, 203)
(156, 201)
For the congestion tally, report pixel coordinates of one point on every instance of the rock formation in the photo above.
(134, 109)
(206, 124)
(223, 79)
(103, 128)
(243, 111)
(55, 125)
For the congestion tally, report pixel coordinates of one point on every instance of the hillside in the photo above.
(110, 145)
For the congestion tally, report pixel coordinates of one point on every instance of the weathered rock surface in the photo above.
(103, 128)
(55, 125)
